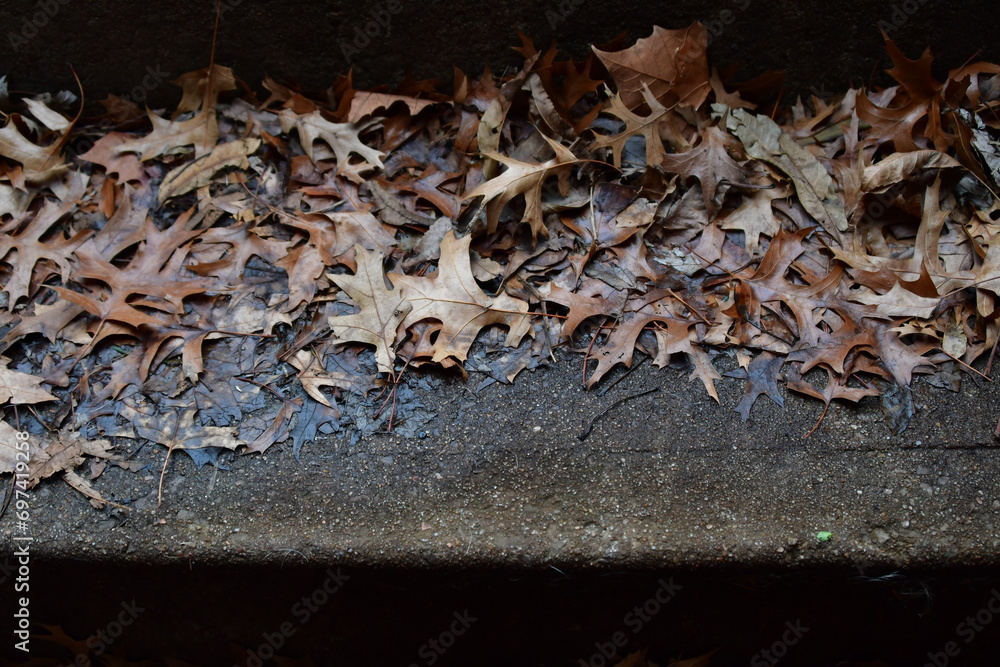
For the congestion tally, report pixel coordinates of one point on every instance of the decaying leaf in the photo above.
(764, 140)
(382, 309)
(200, 171)
(341, 138)
(453, 297)
(39, 163)
(20, 388)
(671, 62)
(522, 178)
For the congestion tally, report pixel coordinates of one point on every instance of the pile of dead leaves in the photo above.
(235, 273)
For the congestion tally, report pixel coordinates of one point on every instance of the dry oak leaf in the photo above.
(592, 299)
(200, 171)
(334, 234)
(152, 280)
(13, 202)
(201, 91)
(900, 166)
(224, 252)
(31, 250)
(314, 377)
(897, 302)
(382, 308)
(174, 136)
(127, 166)
(201, 87)
(867, 249)
(453, 297)
(920, 95)
(709, 162)
(672, 336)
(56, 456)
(39, 163)
(764, 140)
(12, 450)
(342, 138)
(755, 216)
(20, 388)
(769, 287)
(671, 62)
(527, 179)
(635, 125)
(365, 103)
(63, 454)
(176, 429)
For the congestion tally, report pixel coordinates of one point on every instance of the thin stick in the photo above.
(586, 432)
(608, 388)
(163, 472)
(969, 368)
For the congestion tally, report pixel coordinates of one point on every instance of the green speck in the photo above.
(824, 536)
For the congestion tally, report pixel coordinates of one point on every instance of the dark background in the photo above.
(824, 46)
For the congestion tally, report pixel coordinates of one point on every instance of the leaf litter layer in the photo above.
(242, 272)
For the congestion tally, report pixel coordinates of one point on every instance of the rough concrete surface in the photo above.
(551, 543)
(500, 478)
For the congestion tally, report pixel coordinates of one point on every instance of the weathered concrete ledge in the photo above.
(501, 479)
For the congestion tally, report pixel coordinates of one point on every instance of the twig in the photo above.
(586, 432)
(606, 389)
(968, 367)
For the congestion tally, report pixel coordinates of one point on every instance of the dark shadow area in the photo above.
(123, 47)
(212, 616)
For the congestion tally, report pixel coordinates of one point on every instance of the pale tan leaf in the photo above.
(170, 136)
(20, 388)
(49, 118)
(900, 166)
(13, 201)
(12, 450)
(176, 429)
(200, 171)
(954, 341)
(764, 140)
(755, 216)
(527, 179)
(40, 163)
(342, 138)
(898, 302)
(382, 308)
(647, 127)
(365, 103)
(314, 377)
(453, 297)
(86, 488)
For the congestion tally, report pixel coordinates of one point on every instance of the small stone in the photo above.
(880, 536)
